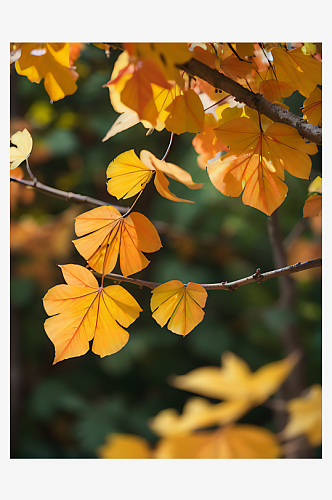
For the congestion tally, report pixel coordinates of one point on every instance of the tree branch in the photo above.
(64, 195)
(257, 277)
(255, 101)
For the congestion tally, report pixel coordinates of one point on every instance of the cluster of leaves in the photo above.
(188, 435)
(147, 85)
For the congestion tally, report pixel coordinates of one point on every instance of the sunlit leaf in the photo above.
(306, 416)
(257, 160)
(181, 305)
(312, 107)
(298, 69)
(106, 235)
(127, 175)
(206, 144)
(235, 381)
(186, 113)
(23, 141)
(124, 446)
(51, 62)
(82, 311)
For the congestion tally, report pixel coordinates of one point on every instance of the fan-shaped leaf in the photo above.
(180, 304)
(23, 141)
(108, 235)
(82, 311)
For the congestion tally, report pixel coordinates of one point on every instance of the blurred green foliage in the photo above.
(66, 410)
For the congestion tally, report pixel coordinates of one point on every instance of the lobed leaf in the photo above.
(106, 235)
(82, 311)
(179, 304)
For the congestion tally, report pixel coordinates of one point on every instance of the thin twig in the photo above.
(65, 195)
(257, 277)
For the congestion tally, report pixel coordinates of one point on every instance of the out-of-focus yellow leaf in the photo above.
(235, 381)
(23, 141)
(197, 413)
(312, 107)
(82, 311)
(51, 62)
(186, 113)
(257, 160)
(109, 235)
(306, 416)
(180, 304)
(234, 441)
(124, 446)
(127, 175)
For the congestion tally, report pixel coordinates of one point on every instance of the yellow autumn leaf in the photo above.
(294, 67)
(82, 311)
(312, 107)
(51, 62)
(186, 113)
(305, 416)
(180, 304)
(107, 235)
(235, 380)
(197, 413)
(127, 175)
(23, 141)
(241, 441)
(257, 159)
(124, 446)
(165, 55)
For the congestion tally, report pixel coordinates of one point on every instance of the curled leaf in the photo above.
(181, 305)
(127, 175)
(106, 235)
(82, 311)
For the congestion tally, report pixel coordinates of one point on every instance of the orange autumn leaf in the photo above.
(257, 160)
(137, 93)
(243, 441)
(106, 235)
(312, 107)
(165, 55)
(180, 304)
(161, 99)
(205, 143)
(82, 311)
(127, 175)
(186, 113)
(51, 62)
(313, 206)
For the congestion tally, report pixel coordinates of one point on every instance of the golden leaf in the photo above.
(110, 235)
(180, 304)
(51, 62)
